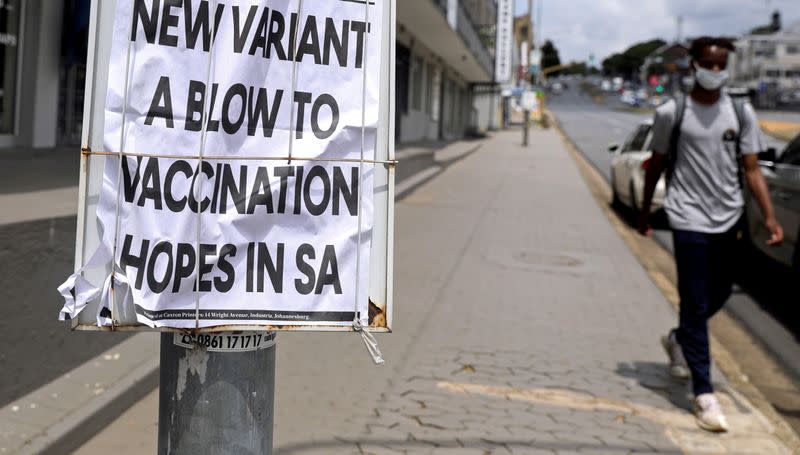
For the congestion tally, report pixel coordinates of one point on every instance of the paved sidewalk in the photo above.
(523, 323)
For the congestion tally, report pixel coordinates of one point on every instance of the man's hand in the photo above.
(651, 176)
(776, 231)
(758, 187)
(643, 224)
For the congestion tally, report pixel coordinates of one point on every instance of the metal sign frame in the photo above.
(91, 174)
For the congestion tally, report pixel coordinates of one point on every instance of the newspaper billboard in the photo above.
(504, 42)
(237, 167)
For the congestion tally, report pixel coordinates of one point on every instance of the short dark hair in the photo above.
(696, 51)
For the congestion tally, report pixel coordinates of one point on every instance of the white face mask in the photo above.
(710, 80)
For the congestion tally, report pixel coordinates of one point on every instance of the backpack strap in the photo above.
(738, 108)
(672, 153)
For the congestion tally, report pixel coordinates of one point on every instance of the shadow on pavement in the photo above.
(408, 167)
(655, 377)
(37, 257)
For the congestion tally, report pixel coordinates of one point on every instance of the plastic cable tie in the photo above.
(370, 342)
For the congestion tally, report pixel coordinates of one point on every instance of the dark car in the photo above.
(783, 177)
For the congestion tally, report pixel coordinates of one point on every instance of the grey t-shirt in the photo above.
(704, 194)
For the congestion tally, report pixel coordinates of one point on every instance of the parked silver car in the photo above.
(628, 167)
(783, 177)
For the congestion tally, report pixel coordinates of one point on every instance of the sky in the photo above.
(579, 28)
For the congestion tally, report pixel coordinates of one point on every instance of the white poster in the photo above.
(260, 211)
(504, 42)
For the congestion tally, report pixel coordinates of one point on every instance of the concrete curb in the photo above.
(58, 417)
(723, 358)
(38, 205)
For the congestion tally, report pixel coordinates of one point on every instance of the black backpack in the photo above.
(680, 110)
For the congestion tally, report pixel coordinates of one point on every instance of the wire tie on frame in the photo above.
(369, 341)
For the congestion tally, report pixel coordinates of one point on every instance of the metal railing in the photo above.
(469, 32)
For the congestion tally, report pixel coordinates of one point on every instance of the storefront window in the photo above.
(9, 40)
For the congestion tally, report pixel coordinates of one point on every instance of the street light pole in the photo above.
(532, 34)
(532, 37)
(216, 402)
(526, 128)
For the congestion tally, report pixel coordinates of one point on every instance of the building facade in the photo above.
(443, 56)
(43, 64)
(769, 65)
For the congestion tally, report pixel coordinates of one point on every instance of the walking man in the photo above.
(708, 144)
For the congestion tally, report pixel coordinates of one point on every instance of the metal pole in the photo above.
(525, 129)
(215, 402)
(532, 34)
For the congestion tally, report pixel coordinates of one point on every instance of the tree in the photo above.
(774, 26)
(580, 68)
(627, 63)
(550, 56)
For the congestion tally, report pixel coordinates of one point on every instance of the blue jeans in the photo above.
(706, 268)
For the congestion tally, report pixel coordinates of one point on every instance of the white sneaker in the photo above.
(708, 413)
(677, 363)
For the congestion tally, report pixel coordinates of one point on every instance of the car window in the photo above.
(648, 142)
(792, 153)
(637, 141)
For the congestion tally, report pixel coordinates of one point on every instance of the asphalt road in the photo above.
(35, 347)
(765, 297)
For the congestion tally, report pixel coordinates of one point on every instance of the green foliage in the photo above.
(627, 63)
(580, 68)
(550, 56)
(774, 26)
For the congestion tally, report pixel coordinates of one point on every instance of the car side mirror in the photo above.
(612, 148)
(768, 155)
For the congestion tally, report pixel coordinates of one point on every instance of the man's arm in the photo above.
(654, 169)
(758, 186)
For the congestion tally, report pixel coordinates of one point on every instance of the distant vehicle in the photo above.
(629, 97)
(789, 97)
(556, 88)
(642, 95)
(628, 170)
(606, 86)
(657, 100)
(783, 177)
(617, 84)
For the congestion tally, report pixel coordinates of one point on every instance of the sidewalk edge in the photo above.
(83, 401)
(724, 360)
(69, 434)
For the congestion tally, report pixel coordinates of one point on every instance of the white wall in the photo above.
(47, 74)
(487, 106)
(437, 120)
(420, 123)
(38, 86)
